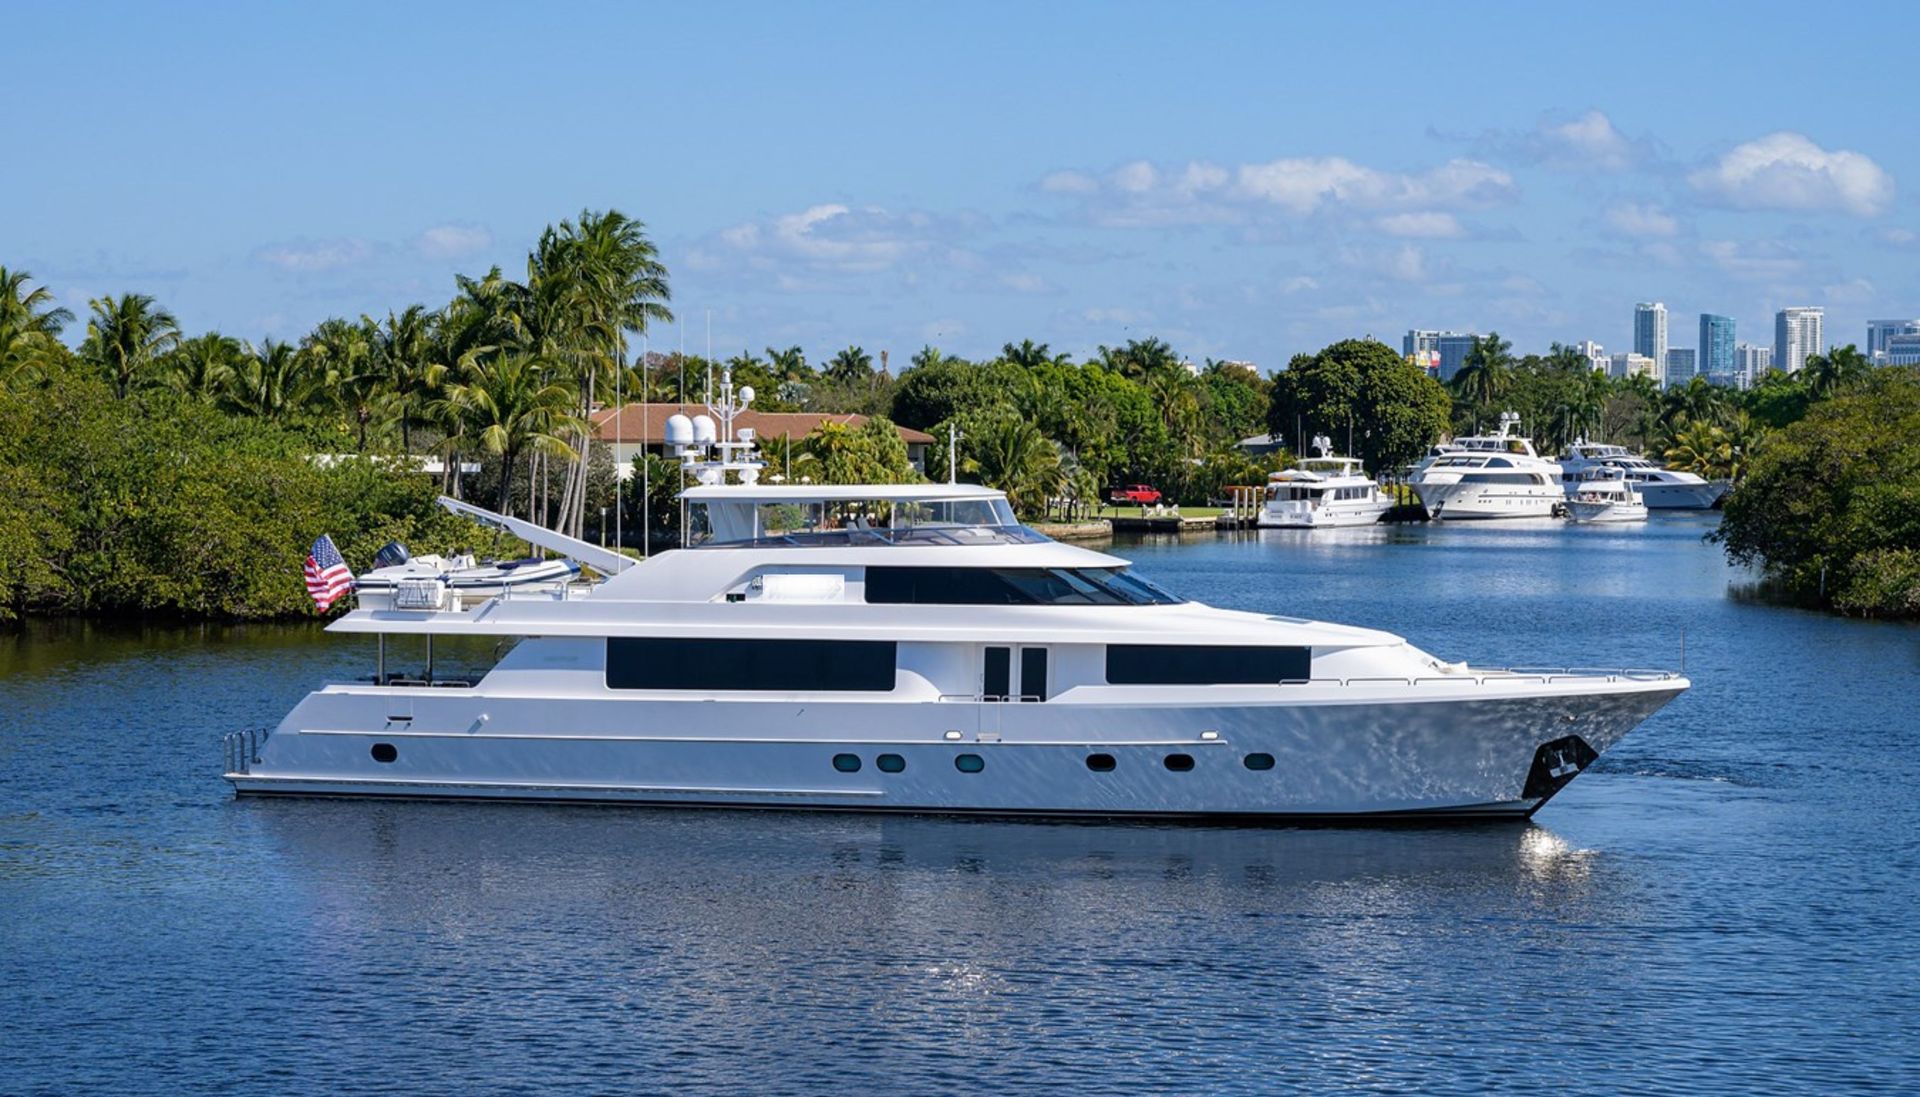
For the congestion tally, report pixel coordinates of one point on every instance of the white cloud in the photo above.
(1587, 141)
(1138, 177)
(315, 256)
(1303, 185)
(1900, 238)
(1405, 263)
(1026, 283)
(1787, 171)
(1852, 291)
(1755, 264)
(1069, 182)
(1642, 220)
(1430, 225)
(453, 241)
(831, 237)
(1299, 283)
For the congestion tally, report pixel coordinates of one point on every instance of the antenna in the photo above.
(953, 450)
(646, 459)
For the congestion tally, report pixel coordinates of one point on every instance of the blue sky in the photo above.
(1245, 181)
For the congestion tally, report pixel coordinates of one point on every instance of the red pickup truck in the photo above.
(1133, 495)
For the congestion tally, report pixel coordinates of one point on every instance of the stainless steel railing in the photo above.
(241, 749)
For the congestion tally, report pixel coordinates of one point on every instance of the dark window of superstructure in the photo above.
(890, 763)
(1100, 763)
(969, 763)
(997, 677)
(385, 752)
(951, 586)
(1205, 664)
(847, 763)
(1033, 674)
(649, 662)
(1178, 763)
(1258, 761)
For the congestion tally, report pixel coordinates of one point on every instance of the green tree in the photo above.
(1029, 355)
(1012, 455)
(30, 325)
(1840, 369)
(512, 407)
(202, 366)
(1394, 410)
(269, 382)
(1485, 378)
(125, 336)
(850, 366)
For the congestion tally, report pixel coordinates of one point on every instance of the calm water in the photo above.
(1725, 903)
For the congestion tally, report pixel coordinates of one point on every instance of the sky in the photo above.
(1243, 181)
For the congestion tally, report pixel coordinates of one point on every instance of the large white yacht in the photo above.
(1495, 475)
(1322, 492)
(1659, 487)
(914, 648)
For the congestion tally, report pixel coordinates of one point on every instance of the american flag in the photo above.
(327, 574)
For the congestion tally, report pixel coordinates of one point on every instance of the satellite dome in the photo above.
(704, 433)
(679, 430)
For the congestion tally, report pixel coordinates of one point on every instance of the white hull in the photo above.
(1477, 752)
(1287, 515)
(1453, 501)
(1703, 496)
(1588, 513)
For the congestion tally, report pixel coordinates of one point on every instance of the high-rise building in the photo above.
(1750, 363)
(1716, 345)
(1595, 354)
(1797, 333)
(1903, 349)
(1453, 349)
(1420, 342)
(1650, 333)
(1879, 331)
(1680, 365)
(1633, 365)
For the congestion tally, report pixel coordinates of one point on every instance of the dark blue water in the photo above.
(1726, 903)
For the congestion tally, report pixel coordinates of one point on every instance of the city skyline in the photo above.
(810, 182)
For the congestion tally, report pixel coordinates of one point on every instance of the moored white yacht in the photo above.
(1322, 492)
(1605, 496)
(1488, 476)
(1659, 487)
(912, 647)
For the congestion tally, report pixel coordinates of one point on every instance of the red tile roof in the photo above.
(634, 424)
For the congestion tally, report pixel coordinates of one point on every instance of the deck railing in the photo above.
(241, 749)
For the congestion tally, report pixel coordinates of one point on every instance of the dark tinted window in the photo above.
(847, 763)
(1010, 587)
(385, 752)
(1205, 664)
(1100, 763)
(969, 763)
(890, 763)
(998, 681)
(1258, 761)
(1178, 763)
(1033, 674)
(666, 663)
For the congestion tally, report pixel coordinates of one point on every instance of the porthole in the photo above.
(1178, 763)
(1100, 763)
(385, 752)
(890, 763)
(1258, 761)
(969, 763)
(847, 763)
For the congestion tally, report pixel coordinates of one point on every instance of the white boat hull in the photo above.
(1701, 496)
(1293, 515)
(1461, 754)
(1455, 501)
(1588, 513)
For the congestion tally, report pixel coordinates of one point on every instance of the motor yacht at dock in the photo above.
(1659, 487)
(1606, 496)
(1495, 475)
(913, 647)
(1322, 492)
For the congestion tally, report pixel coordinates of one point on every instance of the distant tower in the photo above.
(1716, 346)
(1879, 331)
(1797, 334)
(1650, 335)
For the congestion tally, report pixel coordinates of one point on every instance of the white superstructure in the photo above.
(914, 648)
(1488, 476)
(1605, 496)
(1659, 487)
(1322, 492)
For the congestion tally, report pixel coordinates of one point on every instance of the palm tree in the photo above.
(200, 367)
(1013, 456)
(29, 327)
(125, 336)
(269, 382)
(1139, 359)
(341, 354)
(1485, 377)
(1030, 354)
(1835, 371)
(1700, 448)
(850, 366)
(404, 358)
(510, 406)
(791, 373)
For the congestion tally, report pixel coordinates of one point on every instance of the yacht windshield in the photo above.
(726, 523)
(1011, 587)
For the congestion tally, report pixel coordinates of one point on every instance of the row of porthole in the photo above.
(1179, 763)
(1098, 763)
